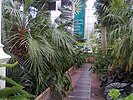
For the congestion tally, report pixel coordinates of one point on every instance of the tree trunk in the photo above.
(103, 39)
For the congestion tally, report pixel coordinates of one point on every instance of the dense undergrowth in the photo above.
(44, 52)
(113, 62)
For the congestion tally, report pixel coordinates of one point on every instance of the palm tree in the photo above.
(118, 20)
(121, 32)
(44, 52)
(101, 11)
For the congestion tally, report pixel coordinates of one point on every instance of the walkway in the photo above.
(82, 88)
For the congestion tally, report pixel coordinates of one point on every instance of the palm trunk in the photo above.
(103, 39)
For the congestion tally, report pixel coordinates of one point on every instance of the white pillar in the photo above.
(73, 12)
(3, 56)
(85, 25)
(55, 13)
(0, 18)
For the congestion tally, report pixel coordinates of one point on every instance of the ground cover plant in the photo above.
(115, 94)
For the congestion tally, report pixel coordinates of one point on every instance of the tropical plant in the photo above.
(102, 62)
(60, 85)
(79, 58)
(115, 93)
(124, 88)
(122, 34)
(14, 91)
(118, 21)
(116, 16)
(101, 11)
(44, 52)
(101, 6)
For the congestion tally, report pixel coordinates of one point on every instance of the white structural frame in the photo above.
(55, 13)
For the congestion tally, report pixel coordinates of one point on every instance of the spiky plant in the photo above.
(14, 91)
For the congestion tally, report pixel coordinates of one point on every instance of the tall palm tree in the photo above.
(118, 20)
(101, 11)
(121, 33)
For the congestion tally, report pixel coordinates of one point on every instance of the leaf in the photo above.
(9, 65)
(27, 4)
(130, 97)
(114, 93)
(131, 60)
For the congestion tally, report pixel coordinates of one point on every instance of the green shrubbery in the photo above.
(115, 93)
(44, 52)
(14, 91)
(115, 25)
(102, 62)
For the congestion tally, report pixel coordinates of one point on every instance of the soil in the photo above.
(96, 91)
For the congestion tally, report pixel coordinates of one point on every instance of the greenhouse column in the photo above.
(3, 56)
(73, 12)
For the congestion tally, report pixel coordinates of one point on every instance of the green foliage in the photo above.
(115, 93)
(42, 4)
(130, 97)
(117, 6)
(116, 16)
(65, 20)
(101, 62)
(9, 65)
(102, 10)
(15, 91)
(59, 86)
(44, 52)
(79, 58)
(27, 4)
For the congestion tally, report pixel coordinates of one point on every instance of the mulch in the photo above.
(96, 90)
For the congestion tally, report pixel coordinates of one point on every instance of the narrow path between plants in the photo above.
(82, 87)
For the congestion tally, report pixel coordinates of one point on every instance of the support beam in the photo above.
(73, 12)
